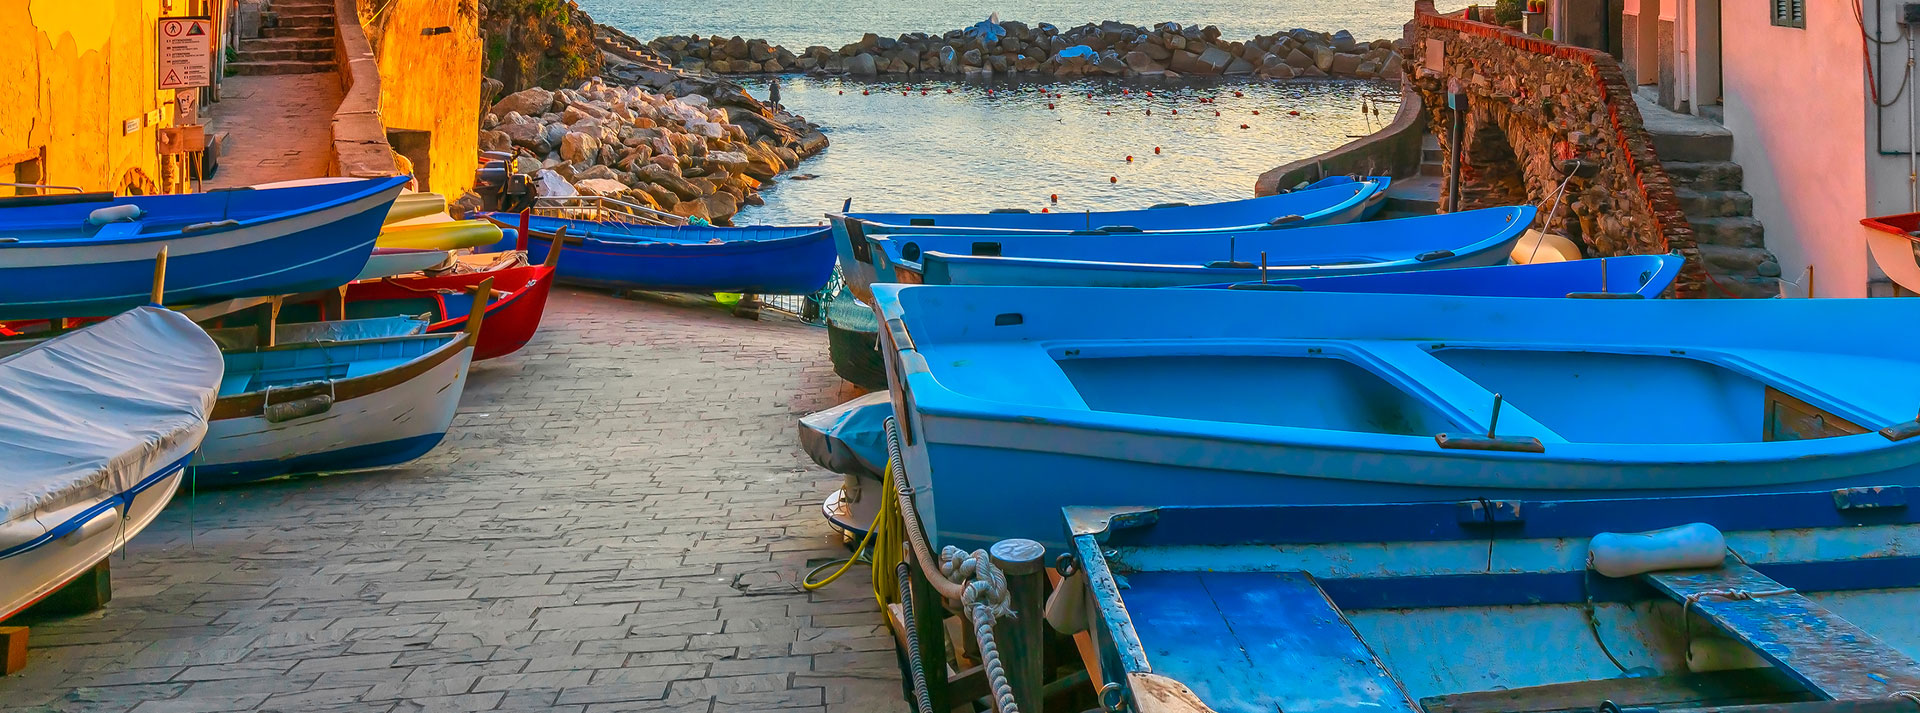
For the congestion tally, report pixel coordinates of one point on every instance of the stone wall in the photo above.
(1532, 105)
(63, 119)
(443, 100)
(360, 147)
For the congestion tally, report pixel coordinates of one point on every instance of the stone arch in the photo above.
(136, 182)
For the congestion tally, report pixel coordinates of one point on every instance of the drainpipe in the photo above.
(1913, 151)
(1456, 104)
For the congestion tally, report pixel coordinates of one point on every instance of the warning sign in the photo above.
(186, 52)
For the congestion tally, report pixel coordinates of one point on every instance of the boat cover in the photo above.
(86, 414)
(849, 438)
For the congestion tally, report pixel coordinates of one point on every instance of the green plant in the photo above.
(1505, 11)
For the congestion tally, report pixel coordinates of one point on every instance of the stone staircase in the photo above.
(296, 37)
(1698, 156)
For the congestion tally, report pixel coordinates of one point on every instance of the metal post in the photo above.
(1023, 637)
(1913, 149)
(1457, 104)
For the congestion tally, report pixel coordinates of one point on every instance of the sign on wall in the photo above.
(186, 52)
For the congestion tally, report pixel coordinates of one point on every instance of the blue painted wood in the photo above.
(1453, 240)
(221, 245)
(768, 260)
(1502, 589)
(1647, 276)
(1833, 658)
(1258, 642)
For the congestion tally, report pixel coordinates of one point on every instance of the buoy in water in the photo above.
(1049, 105)
(1293, 113)
(865, 92)
(1055, 198)
(1176, 112)
(1129, 159)
(1149, 94)
(1237, 94)
(1256, 112)
(1244, 126)
(1113, 179)
(1043, 210)
(949, 91)
(1149, 112)
(1156, 150)
(1216, 112)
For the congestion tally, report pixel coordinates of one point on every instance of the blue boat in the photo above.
(1016, 401)
(1516, 605)
(1466, 239)
(1336, 202)
(1646, 276)
(768, 260)
(93, 254)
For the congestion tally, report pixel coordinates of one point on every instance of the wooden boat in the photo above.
(93, 255)
(1753, 602)
(1018, 400)
(100, 424)
(392, 262)
(514, 306)
(343, 330)
(1450, 240)
(1646, 276)
(443, 235)
(1329, 204)
(321, 407)
(767, 260)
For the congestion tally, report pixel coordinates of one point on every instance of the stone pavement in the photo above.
(616, 523)
(279, 127)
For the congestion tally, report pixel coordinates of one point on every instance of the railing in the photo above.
(602, 208)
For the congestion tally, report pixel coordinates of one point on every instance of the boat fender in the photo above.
(123, 213)
(910, 252)
(1119, 229)
(1286, 220)
(1431, 255)
(297, 408)
(1690, 546)
(1067, 606)
(1230, 264)
(211, 225)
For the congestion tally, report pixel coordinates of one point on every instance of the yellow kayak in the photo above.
(452, 235)
(415, 205)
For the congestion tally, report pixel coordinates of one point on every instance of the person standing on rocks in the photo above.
(773, 94)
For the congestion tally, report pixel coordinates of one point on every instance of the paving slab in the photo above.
(617, 522)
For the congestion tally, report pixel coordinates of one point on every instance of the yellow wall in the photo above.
(81, 71)
(432, 82)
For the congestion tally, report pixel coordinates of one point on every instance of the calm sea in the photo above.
(972, 146)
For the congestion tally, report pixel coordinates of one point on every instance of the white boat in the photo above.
(97, 427)
(322, 407)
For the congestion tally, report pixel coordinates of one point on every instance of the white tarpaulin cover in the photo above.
(87, 415)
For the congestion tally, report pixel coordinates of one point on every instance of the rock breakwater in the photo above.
(694, 147)
(993, 48)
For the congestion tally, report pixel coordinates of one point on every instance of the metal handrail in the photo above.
(75, 189)
(602, 208)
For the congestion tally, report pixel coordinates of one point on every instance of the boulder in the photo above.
(548, 183)
(1239, 66)
(662, 198)
(597, 171)
(721, 207)
(529, 135)
(862, 65)
(973, 58)
(1345, 64)
(1323, 58)
(495, 141)
(690, 209)
(1142, 62)
(1343, 41)
(599, 186)
(1184, 61)
(1111, 64)
(681, 188)
(579, 147)
(1298, 59)
(735, 48)
(529, 102)
(1214, 60)
(1276, 70)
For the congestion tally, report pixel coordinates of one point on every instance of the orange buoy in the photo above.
(1125, 92)
(843, 92)
(1256, 112)
(1176, 112)
(1109, 113)
(1293, 113)
(1055, 198)
(1049, 105)
(1243, 126)
(923, 92)
(1113, 179)
(1237, 94)
(1043, 210)
(1149, 112)
(1149, 94)
(1156, 150)
(1129, 159)
(949, 91)
(1216, 112)
(865, 92)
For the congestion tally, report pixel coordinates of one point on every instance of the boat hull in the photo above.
(510, 322)
(789, 266)
(299, 251)
(84, 538)
(395, 423)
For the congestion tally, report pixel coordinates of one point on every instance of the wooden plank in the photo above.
(1829, 655)
(1256, 641)
(1717, 688)
(13, 649)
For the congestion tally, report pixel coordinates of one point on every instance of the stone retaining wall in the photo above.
(1392, 151)
(1531, 105)
(1167, 50)
(360, 147)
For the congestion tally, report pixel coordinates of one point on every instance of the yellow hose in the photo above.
(862, 553)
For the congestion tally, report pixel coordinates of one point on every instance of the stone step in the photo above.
(287, 43)
(1432, 169)
(287, 55)
(1714, 204)
(260, 68)
(1704, 176)
(1735, 232)
(312, 9)
(304, 21)
(1689, 146)
(322, 32)
(1737, 271)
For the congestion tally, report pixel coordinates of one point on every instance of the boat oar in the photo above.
(159, 277)
(478, 312)
(1492, 441)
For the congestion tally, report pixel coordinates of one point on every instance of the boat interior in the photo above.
(1439, 608)
(295, 364)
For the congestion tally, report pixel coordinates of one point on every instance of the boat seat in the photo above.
(1258, 641)
(1834, 659)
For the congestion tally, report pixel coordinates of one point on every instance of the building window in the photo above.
(1790, 13)
(25, 168)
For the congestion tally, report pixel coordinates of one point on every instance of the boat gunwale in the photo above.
(374, 189)
(1362, 190)
(253, 403)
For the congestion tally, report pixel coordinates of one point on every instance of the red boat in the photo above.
(512, 315)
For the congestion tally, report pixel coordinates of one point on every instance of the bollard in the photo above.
(925, 615)
(1023, 638)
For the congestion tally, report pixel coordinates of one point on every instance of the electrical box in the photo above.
(1910, 13)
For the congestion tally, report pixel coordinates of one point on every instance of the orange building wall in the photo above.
(432, 82)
